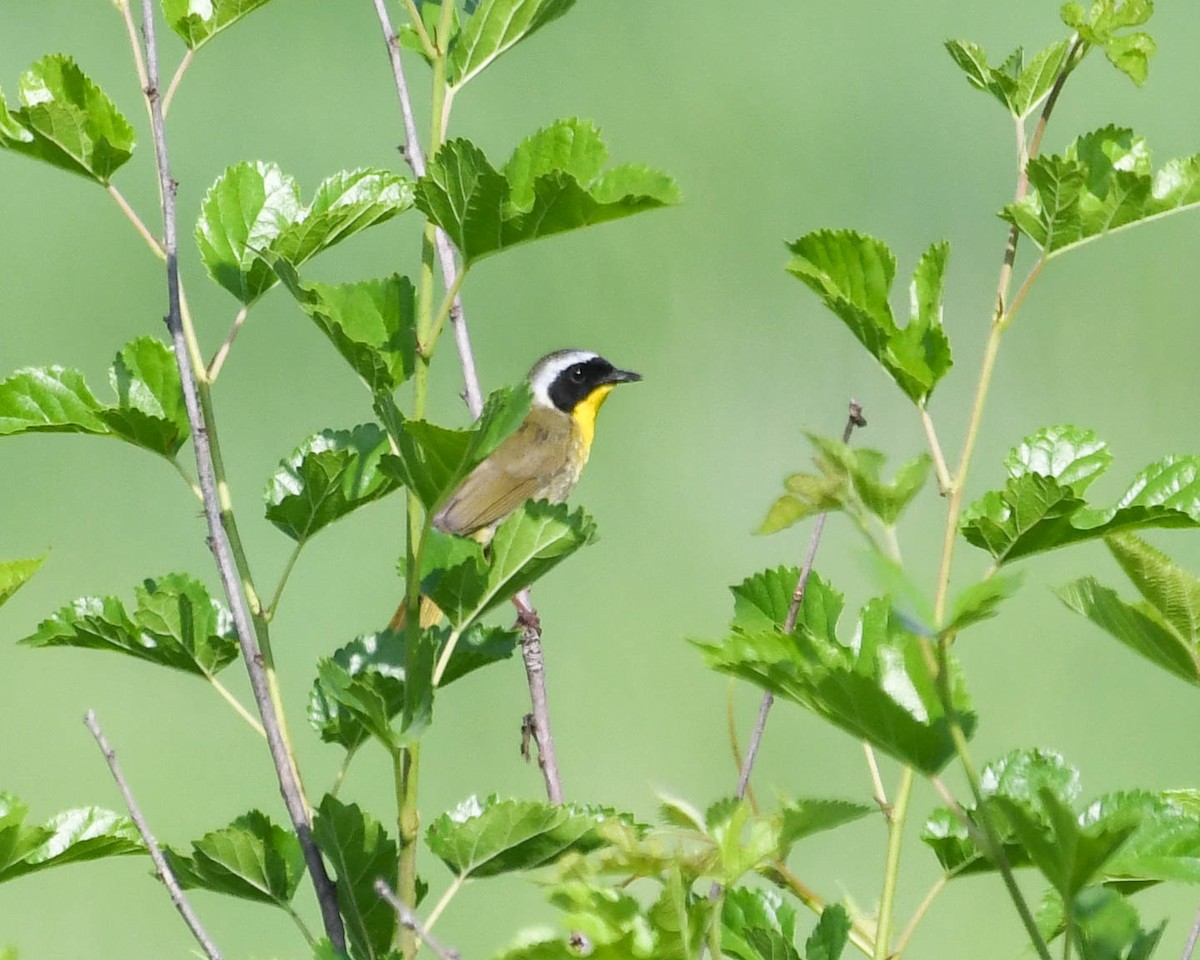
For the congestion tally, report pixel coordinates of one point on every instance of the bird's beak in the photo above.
(622, 376)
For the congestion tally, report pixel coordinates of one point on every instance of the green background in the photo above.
(777, 119)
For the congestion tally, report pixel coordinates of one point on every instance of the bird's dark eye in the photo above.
(577, 373)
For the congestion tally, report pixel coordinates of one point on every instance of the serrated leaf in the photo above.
(1022, 776)
(1040, 509)
(252, 217)
(494, 28)
(327, 477)
(14, 574)
(372, 324)
(550, 185)
(762, 602)
(805, 817)
(877, 689)
(370, 671)
(360, 852)
(1018, 87)
(1104, 25)
(252, 858)
(73, 836)
(49, 400)
(176, 624)
(746, 909)
(150, 410)
(502, 836)
(979, 601)
(852, 274)
(526, 546)
(860, 469)
(1101, 183)
(829, 936)
(1165, 627)
(67, 121)
(1107, 927)
(198, 21)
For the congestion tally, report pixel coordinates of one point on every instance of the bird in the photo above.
(541, 460)
(545, 456)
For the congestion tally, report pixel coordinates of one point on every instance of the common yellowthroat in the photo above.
(541, 460)
(544, 458)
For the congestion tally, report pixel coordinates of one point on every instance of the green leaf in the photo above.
(830, 935)
(252, 858)
(176, 624)
(770, 945)
(73, 836)
(328, 476)
(67, 121)
(504, 836)
(372, 324)
(433, 460)
(14, 574)
(1105, 24)
(1165, 627)
(1040, 507)
(746, 909)
(526, 546)
(1019, 88)
(49, 400)
(361, 852)
(252, 217)
(1101, 183)
(877, 689)
(493, 29)
(150, 410)
(762, 601)
(198, 21)
(853, 274)
(360, 689)
(1024, 777)
(861, 471)
(551, 184)
(1108, 928)
(805, 817)
(980, 601)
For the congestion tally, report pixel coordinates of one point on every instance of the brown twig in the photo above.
(218, 536)
(161, 867)
(531, 637)
(854, 419)
(408, 920)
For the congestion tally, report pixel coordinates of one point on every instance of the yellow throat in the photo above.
(584, 415)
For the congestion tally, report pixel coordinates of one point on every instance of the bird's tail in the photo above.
(430, 615)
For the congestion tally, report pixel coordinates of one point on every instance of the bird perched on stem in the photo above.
(541, 460)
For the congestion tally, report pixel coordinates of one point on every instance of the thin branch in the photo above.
(935, 448)
(219, 541)
(854, 419)
(445, 249)
(218, 360)
(161, 867)
(1190, 946)
(877, 788)
(131, 28)
(735, 748)
(938, 886)
(858, 936)
(139, 225)
(237, 706)
(409, 921)
(173, 86)
(537, 723)
(451, 892)
(273, 606)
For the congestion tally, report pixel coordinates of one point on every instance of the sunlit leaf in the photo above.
(1107, 24)
(176, 624)
(73, 836)
(1101, 183)
(853, 274)
(980, 601)
(252, 217)
(877, 689)
(328, 476)
(50, 400)
(551, 184)
(198, 21)
(1018, 86)
(14, 574)
(494, 28)
(746, 909)
(360, 852)
(67, 121)
(252, 858)
(372, 324)
(503, 836)
(1040, 508)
